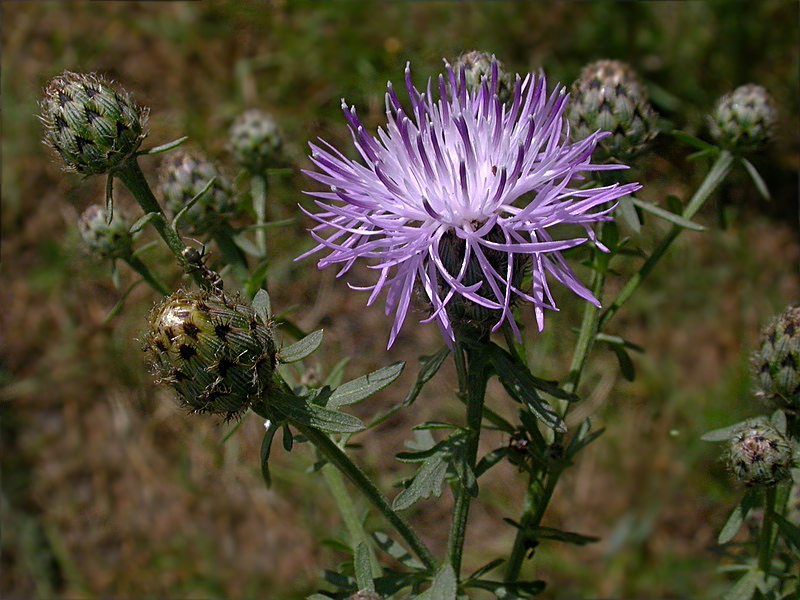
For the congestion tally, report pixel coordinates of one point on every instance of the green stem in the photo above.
(340, 460)
(476, 378)
(765, 543)
(131, 175)
(142, 269)
(713, 179)
(349, 515)
(258, 190)
(537, 498)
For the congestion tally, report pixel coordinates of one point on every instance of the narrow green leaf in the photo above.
(666, 215)
(521, 385)
(692, 140)
(266, 446)
(302, 349)
(192, 202)
(626, 212)
(548, 533)
(490, 460)
(362, 565)
(363, 387)
(262, 305)
(247, 246)
(625, 363)
(723, 434)
(427, 482)
(462, 469)
(789, 531)
(760, 184)
(396, 551)
(582, 438)
(443, 587)
(488, 567)
(300, 411)
(745, 588)
(142, 221)
(738, 516)
(164, 147)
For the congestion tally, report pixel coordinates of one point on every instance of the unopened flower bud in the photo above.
(104, 239)
(255, 140)
(477, 69)
(759, 455)
(213, 349)
(777, 363)
(743, 119)
(609, 96)
(93, 125)
(181, 177)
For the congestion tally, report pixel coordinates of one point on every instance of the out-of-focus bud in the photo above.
(104, 239)
(744, 119)
(255, 140)
(759, 455)
(93, 125)
(609, 96)
(365, 595)
(213, 349)
(477, 69)
(181, 177)
(777, 363)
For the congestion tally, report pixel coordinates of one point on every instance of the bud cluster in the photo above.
(182, 176)
(94, 126)
(104, 239)
(213, 349)
(744, 119)
(777, 363)
(759, 455)
(477, 67)
(609, 96)
(255, 140)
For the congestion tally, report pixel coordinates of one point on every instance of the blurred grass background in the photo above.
(110, 491)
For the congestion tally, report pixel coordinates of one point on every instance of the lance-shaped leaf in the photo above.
(300, 412)
(443, 587)
(262, 305)
(738, 516)
(266, 446)
(427, 481)
(363, 387)
(521, 386)
(302, 349)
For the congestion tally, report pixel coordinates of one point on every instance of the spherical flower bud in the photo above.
(777, 363)
(255, 140)
(93, 125)
(609, 96)
(477, 67)
(743, 119)
(213, 349)
(185, 174)
(759, 455)
(104, 239)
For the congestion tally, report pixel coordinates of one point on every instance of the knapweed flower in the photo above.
(777, 363)
(104, 239)
(759, 455)
(744, 119)
(455, 200)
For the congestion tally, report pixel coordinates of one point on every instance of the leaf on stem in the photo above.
(757, 179)
(266, 446)
(262, 305)
(396, 551)
(363, 387)
(738, 516)
(164, 147)
(362, 565)
(443, 587)
(301, 412)
(521, 385)
(666, 215)
(302, 349)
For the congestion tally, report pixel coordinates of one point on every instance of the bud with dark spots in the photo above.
(609, 96)
(181, 177)
(214, 350)
(777, 363)
(255, 140)
(744, 119)
(760, 455)
(93, 125)
(104, 239)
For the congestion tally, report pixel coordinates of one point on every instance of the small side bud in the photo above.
(181, 177)
(477, 69)
(104, 239)
(93, 125)
(609, 96)
(255, 140)
(213, 349)
(744, 119)
(759, 455)
(777, 363)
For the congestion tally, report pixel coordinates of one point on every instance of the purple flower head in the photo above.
(454, 199)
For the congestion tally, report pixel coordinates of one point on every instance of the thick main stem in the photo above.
(765, 543)
(131, 175)
(340, 460)
(476, 377)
